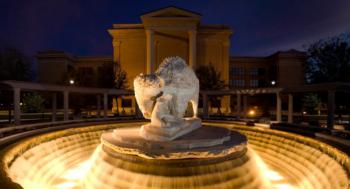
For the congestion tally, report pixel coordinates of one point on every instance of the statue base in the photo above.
(204, 142)
(159, 133)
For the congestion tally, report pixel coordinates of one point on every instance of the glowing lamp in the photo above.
(251, 112)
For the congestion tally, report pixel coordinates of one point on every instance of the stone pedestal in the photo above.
(204, 142)
(171, 132)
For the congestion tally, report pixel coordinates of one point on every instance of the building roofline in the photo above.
(233, 57)
(171, 6)
(95, 56)
(214, 26)
(288, 53)
(54, 53)
(278, 53)
(128, 26)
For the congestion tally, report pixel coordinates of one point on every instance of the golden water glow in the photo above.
(66, 185)
(60, 160)
(77, 172)
(275, 178)
(71, 177)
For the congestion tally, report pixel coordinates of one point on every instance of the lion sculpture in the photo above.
(163, 97)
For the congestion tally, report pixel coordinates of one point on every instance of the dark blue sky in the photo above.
(79, 26)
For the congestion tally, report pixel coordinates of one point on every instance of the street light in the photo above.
(251, 113)
(273, 82)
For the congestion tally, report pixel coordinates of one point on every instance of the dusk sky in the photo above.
(261, 27)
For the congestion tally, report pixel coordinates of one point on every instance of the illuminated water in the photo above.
(74, 159)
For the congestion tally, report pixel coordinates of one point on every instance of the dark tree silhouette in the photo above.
(210, 79)
(14, 65)
(120, 79)
(329, 60)
(109, 75)
(105, 76)
(311, 103)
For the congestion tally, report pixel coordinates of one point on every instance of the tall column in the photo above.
(105, 105)
(205, 106)
(278, 107)
(116, 48)
(98, 106)
(290, 108)
(239, 102)
(16, 104)
(150, 50)
(330, 109)
(54, 107)
(225, 60)
(65, 105)
(192, 35)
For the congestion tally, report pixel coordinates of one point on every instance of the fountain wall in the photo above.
(48, 161)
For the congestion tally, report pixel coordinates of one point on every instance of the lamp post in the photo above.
(273, 82)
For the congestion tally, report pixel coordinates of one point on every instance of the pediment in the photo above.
(171, 12)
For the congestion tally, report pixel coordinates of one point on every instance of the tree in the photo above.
(106, 77)
(14, 65)
(120, 78)
(329, 60)
(82, 77)
(109, 75)
(33, 103)
(311, 103)
(210, 79)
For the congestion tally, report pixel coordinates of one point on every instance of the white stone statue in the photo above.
(163, 97)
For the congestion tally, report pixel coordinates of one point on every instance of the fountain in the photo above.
(171, 151)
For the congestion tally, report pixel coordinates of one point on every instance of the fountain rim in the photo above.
(24, 142)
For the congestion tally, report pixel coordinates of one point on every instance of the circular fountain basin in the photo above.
(208, 157)
(235, 170)
(74, 159)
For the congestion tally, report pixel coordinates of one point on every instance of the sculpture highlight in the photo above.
(163, 97)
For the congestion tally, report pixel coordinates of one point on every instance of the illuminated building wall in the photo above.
(172, 31)
(281, 69)
(140, 48)
(54, 66)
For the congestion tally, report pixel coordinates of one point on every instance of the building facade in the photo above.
(281, 69)
(55, 66)
(140, 48)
